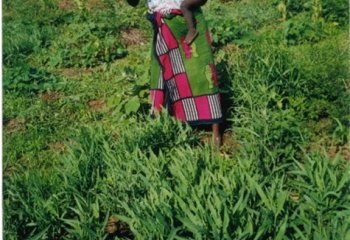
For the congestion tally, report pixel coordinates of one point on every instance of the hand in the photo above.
(133, 2)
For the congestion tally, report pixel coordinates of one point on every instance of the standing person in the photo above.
(183, 76)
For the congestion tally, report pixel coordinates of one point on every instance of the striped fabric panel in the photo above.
(161, 80)
(161, 47)
(190, 109)
(214, 104)
(172, 89)
(176, 61)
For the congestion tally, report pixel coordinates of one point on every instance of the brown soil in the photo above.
(117, 228)
(133, 36)
(229, 145)
(50, 96)
(59, 147)
(97, 105)
(74, 72)
(231, 48)
(14, 125)
(332, 150)
(67, 5)
(344, 151)
(9, 171)
(294, 196)
(89, 4)
(95, 4)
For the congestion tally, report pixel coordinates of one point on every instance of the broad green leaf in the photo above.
(132, 105)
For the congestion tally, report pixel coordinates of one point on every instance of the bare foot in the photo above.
(191, 35)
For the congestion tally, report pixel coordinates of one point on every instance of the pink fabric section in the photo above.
(214, 75)
(171, 41)
(167, 68)
(207, 33)
(159, 18)
(203, 108)
(179, 112)
(182, 85)
(176, 11)
(157, 100)
(187, 49)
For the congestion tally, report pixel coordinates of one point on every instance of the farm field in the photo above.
(82, 158)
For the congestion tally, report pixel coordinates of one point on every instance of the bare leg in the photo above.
(186, 7)
(216, 135)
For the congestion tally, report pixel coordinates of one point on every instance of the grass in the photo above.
(80, 148)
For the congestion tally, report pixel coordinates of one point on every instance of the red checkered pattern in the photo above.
(173, 82)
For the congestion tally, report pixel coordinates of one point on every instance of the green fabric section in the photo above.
(155, 70)
(197, 66)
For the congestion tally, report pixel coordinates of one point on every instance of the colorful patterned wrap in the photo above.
(183, 77)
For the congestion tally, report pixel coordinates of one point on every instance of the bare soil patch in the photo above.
(232, 48)
(343, 150)
(133, 36)
(58, 147)
(117, 228)
(89, 4)
(9, 171)
(74, 72)
(95, 4)
(332, 150)
(97, 105)
(67, 5)
(50, 96)
(14, 125)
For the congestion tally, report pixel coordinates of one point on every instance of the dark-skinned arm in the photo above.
(133, 2)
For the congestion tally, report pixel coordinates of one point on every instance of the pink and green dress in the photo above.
(183, 77)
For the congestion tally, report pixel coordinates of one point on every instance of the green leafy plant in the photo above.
(26, 79)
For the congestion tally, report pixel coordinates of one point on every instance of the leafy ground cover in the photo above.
(82, 156)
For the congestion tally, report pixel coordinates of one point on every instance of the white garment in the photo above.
(163, 6)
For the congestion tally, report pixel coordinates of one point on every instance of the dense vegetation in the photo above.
(79, 146)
